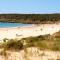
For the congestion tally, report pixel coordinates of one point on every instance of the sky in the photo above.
(29, 6)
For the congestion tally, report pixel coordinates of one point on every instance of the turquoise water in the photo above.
(7, 25)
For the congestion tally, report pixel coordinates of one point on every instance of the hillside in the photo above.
(30, 18)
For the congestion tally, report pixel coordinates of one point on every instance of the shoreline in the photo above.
(23, 32)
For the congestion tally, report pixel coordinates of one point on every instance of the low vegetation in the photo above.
(30, 18)
(50, 42)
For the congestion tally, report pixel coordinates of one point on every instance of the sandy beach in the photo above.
(22, 32)
(33, 53)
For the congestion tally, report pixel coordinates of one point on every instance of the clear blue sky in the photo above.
(29, 6)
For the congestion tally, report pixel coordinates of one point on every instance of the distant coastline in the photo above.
(30, 18)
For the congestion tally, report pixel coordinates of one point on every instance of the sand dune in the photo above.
(32, 53)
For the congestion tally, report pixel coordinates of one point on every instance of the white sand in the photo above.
(21, 32)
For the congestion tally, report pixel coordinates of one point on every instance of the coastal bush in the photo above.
(50, 42)
(14, 44)
(39, 41)
(30, 18)
(44, 42)
(56, 45)
(56, 42)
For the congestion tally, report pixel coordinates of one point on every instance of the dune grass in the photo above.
(50, 42)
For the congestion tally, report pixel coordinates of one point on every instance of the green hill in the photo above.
(30, 18)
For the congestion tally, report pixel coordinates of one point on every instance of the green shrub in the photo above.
(12, 44)
(56, 45)
(43, 42)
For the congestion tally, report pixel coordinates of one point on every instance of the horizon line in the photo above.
(30, 13)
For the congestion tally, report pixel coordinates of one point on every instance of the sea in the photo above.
(9, 25)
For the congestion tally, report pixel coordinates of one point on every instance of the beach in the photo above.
(31, 53)
(23, 32)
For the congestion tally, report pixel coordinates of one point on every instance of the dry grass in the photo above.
(43, 42)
